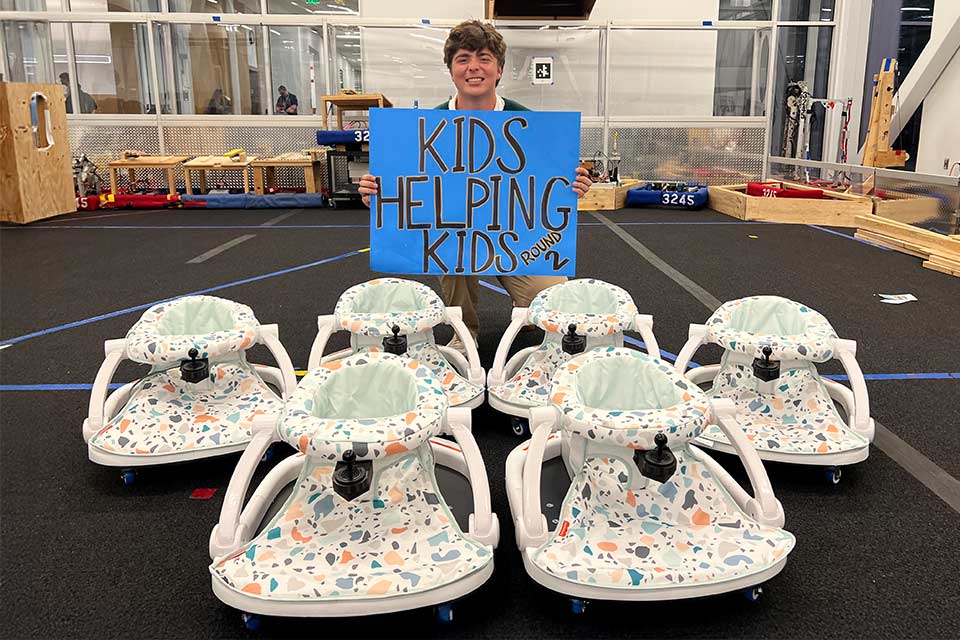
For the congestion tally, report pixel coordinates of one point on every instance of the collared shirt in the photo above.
(452, 105)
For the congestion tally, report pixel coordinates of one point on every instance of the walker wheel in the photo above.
(444, 613)
(251, 621)
(268, 454)
(332, 203)
(578, 606)
(834, 474)
(129, 477)
(753, 594)
(520, 426)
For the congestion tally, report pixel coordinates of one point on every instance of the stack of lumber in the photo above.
(939, 252)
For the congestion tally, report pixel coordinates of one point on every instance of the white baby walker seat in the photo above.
(647, 516)
(576, 316)
(398, 316)
(366, 529)
(200, 397)
(768, 369)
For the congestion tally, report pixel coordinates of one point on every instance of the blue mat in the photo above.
(646, 195)
(347, 136)
(252, 201)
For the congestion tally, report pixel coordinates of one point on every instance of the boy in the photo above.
(475, 54)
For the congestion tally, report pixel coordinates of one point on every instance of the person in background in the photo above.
(287, 102)
(219, 103)
(475, 53)
(87, 103)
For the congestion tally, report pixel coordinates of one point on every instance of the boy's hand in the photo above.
(582, 184)
(368, 187)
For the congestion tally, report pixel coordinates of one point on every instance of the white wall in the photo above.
(939, 133)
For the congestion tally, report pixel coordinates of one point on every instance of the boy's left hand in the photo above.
(582, 184)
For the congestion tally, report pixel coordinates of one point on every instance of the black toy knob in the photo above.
(657, 464)
(573, 343)
(764, 368)
(395, 344)
(352, 478)
(195, 369)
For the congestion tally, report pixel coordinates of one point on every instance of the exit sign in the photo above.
(313, 1)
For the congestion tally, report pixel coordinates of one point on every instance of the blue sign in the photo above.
(474, 192)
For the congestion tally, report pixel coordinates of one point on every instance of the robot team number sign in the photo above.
(474, 192)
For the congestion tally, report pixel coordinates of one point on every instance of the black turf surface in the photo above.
(84, 557)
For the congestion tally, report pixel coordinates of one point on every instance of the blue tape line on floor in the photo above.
(493, 287)
(53, 387)
(219, 287)
(901, 376)
(843, 235)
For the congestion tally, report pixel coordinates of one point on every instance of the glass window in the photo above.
(807, 10)
(215, 6)
(737, 82)
(29, 5)
(295, 54)
(576, 68)
(217, 69)
(113, 72)
(29, 51)
(662, 73)
(345, 61)
(113, 5)
(745, 9)
(803, 56)
(337, 7)
(403, 63)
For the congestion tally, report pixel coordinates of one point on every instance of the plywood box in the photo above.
(834, 209)
(36, 176)
(604, 196)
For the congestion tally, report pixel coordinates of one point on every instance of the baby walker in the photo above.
(200, 397)
(647, 516)
(366, 529)
(575, 315)
(771, 346)
(391, 307)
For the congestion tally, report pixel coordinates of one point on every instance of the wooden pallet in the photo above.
(939, 252)
(834, 209)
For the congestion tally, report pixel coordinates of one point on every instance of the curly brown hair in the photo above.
(474, 35)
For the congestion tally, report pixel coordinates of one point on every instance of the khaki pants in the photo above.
(464, 291)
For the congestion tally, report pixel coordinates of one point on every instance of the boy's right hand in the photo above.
(368, 186)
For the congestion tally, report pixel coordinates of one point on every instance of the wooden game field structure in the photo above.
(606, 196)
(833, 209)
(939, 252)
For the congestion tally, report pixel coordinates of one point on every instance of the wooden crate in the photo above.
(36, 175)
(834, 209)
(606, 196)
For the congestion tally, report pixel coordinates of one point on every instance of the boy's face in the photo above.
(475, 73)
